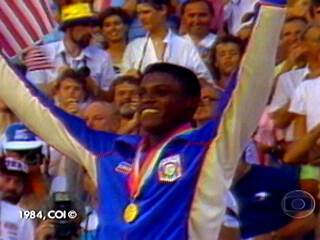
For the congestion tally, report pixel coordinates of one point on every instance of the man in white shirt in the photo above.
(75, 50)
(13, 175)
(286, 85)
(291, 100)
(196, 17)
(306, 101)
(160, 44)
(13, 223)
(305, 108)
(289, 81)
(12, 226)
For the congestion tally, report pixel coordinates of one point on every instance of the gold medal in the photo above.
(131, 213)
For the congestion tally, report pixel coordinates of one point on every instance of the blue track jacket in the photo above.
(192, 206)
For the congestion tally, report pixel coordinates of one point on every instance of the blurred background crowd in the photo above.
(90, 65)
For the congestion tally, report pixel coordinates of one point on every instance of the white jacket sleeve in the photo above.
(67, 133)
(238, 122)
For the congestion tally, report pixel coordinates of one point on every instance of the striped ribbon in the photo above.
(139, 176)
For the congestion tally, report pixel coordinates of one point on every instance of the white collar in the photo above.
(306, 71)
(84, 53)
(208, 40)
(205, 42)
(236, 1)
(167, 38)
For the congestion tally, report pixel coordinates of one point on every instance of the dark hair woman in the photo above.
(114, 28)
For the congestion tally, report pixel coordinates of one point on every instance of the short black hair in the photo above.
(187, 78)
(156, 4)
(186, 3)
(120, 80)
(114, 11)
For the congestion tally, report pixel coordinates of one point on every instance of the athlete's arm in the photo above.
(67, 133)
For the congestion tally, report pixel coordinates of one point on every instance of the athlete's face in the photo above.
(164, 105)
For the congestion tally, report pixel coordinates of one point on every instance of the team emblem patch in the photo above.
(124, 168)
(170, 169)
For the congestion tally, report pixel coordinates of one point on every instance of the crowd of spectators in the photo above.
(92, 64)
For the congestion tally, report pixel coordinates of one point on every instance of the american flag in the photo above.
(36, 59)
(22, 23)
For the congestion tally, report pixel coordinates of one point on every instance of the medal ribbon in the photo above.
(139, 175)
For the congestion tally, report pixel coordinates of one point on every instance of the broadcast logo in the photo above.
(298, 204)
